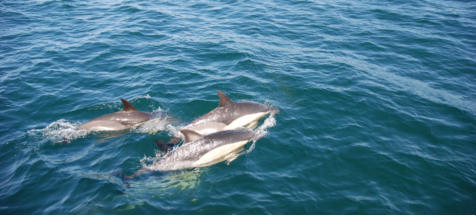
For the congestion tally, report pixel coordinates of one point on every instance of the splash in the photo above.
(147, 161)
(60, 131)
(260, 132)
(160, 121)
(174, 131)
(269, 122)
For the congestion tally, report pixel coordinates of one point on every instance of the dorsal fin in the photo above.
(224, 100)
(127, 106)
(190, 135)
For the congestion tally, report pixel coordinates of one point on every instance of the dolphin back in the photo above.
(228, 111)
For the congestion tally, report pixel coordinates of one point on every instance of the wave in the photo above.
(160, 121)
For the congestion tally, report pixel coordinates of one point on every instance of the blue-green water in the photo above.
(377, 100)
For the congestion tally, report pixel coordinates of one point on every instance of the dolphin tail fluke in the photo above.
(224, 99)
(127, 105)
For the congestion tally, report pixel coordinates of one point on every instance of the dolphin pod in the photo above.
(211, 138)
(215, 136)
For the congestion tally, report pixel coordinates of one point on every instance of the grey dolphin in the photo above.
(201, 151)
(128, 117)
(230, 115)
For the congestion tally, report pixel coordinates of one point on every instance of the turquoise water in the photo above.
(377, 100)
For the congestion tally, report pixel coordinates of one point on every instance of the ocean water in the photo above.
(377, 100)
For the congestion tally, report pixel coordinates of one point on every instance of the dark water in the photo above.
(377, 100)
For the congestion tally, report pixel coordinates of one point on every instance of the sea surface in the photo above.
(377, 100)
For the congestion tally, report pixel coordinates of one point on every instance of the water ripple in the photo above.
(376, 99)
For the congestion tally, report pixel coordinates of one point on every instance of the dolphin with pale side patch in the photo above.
(230, 115)
(201, 151)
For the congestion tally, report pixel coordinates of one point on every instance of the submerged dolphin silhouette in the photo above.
(229, 115)
(128, 117)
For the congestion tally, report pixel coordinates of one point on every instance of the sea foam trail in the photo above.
(60, 131)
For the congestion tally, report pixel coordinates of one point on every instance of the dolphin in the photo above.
(127, 118)
(229, 115)
(201, 151)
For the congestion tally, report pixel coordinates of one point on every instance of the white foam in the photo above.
(261, 131)
(60, 131)
(159, 122)
(146, 161)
